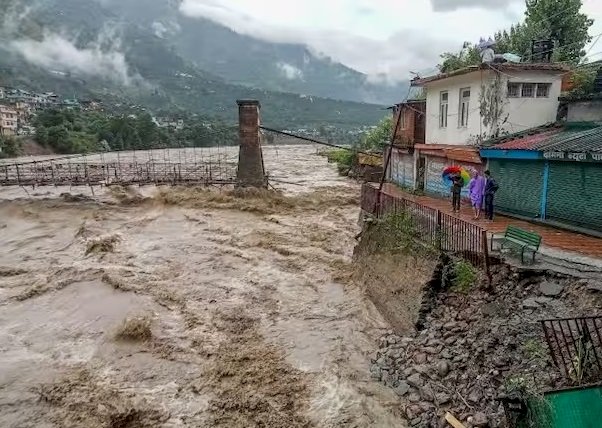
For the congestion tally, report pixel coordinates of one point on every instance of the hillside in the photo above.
(253, 62)
(82, 48)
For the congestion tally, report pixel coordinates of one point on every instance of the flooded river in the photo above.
(178, 307)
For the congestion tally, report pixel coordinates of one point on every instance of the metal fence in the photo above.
(440, 230)
(576, 347)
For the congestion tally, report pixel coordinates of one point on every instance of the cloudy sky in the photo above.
(390, 37)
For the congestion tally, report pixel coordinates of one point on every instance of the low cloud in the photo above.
(55, 52)
(290, 71)
(451, 5)
(59, 53)
(381, 60)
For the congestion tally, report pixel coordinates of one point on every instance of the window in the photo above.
(543, 90)
(528, 90)
(464, 107)
(443, 109)
(513, 90)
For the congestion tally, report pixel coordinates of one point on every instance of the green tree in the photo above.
(568, 29)
(468, 55)
(379, 137)
(9, 146)
(559, 20)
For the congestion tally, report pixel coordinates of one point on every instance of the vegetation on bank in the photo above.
(72, 131)
(373, 141)
(9, 146)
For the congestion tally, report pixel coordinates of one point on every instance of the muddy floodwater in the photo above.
(180, 307)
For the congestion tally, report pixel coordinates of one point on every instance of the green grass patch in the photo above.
(345, 159)
(462, 276)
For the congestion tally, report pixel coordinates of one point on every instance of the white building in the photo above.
(8, 120)
(468, 106)
(524, 95)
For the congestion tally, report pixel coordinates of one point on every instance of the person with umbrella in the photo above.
(457, 184)
(457, 177)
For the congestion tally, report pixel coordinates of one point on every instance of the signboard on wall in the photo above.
(553, 155)
(573, 156)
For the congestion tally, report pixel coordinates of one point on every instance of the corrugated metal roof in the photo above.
(558, 140)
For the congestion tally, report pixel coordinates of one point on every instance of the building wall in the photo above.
(522, 113)
(401, 169)
(585, 111)
(406, 134)
(433, 176)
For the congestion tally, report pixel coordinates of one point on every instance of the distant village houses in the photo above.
(8, 120)
(24, 105)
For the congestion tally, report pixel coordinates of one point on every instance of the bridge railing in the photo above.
(56, 173)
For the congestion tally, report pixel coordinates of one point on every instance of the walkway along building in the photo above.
(465, 107)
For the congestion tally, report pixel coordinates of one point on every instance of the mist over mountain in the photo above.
(148, 52)
(250, 61)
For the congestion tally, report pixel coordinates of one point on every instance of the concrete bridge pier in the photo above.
(251, 171)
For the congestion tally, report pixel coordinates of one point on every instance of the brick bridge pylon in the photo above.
(251, 171)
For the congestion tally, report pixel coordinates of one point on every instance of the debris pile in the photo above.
(473, 347)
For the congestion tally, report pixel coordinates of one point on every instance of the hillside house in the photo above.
(468, 106)
(409, 123)
(8, 120)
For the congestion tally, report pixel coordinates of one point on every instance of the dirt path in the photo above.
(253, 318)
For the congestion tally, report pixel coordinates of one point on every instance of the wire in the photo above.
(312, 140)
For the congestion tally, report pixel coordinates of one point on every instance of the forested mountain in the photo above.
(253, 62)
(115, 50)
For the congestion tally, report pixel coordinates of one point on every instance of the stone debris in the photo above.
(550, 289)
(472, 344)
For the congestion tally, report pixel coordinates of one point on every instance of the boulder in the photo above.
(480, 420)
(550, 289)
(402, 388)
(530, 303)
(442, 368)
(415, 380)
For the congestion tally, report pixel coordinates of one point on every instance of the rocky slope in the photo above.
(473, 348)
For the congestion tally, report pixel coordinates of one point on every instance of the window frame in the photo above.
(537, 89)
(464, 107)
(518, 87)
(525, 85)
(443, 105)
(548, 87)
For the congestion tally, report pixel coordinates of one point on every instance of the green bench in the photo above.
(521, 240)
